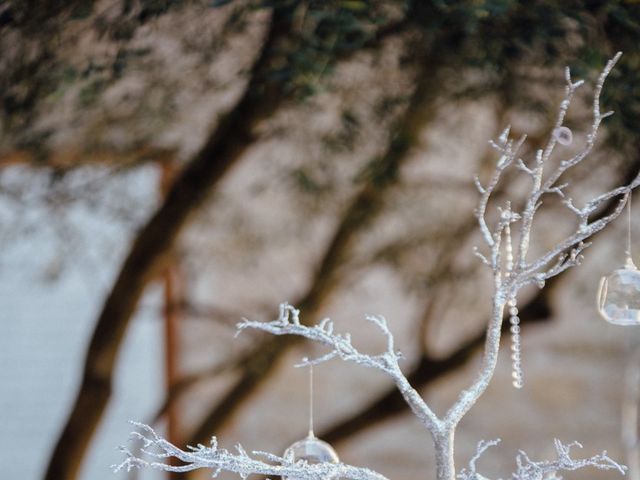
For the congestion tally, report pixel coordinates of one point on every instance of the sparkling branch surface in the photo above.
(219, 460)
(567, 252)
(527, 469)
(513, 274)
(288, 323)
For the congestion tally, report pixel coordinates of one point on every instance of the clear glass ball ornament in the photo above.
(619, 296)
(563, 135)
(312, 450)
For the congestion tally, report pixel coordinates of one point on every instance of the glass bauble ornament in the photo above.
(619, 296)
(563, 135)
(312, 450)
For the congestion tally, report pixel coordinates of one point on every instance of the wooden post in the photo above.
(173, 294)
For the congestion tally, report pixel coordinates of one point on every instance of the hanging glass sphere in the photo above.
(619, 296)
(563, 135)
(313, 450)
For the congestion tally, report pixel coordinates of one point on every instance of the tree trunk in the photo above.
(262, 360)
(445, 467)
(233, 134)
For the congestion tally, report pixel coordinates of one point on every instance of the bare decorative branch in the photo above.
(508, 154)
(528, 469)
(288, 323)
(512, 275)
(219, 460)
(543, 186)
(537, 271)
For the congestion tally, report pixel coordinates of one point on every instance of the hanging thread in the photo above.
(311, 434)
(628, 252)
(310, 449)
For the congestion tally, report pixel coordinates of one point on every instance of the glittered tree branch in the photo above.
(567, 252)
(528, 469)
(219, 459)
(510, 267)
(288, 323)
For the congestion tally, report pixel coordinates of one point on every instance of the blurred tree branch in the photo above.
(232, 135)
(261, 360)
(265, 92)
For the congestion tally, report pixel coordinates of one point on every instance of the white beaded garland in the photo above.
(516, 365)
(514, 320)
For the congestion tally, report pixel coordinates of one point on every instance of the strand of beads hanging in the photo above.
(516, 365)
(514, 320)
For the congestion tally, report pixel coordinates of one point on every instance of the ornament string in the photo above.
(628, 252)
(311, 434)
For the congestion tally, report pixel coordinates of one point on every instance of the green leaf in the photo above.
(354, 5)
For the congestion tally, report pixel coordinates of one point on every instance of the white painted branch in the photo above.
(536, 269)
(288, 323)
(541, 186)
(528, 469)
(219, 460)
(509, 153)
(507, 283)
(468, 397)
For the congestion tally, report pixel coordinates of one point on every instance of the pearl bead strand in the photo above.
(514, 320)
(516, 365)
